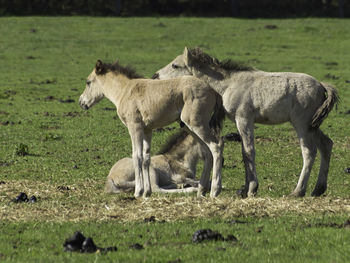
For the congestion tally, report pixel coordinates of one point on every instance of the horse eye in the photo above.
(88, 82)
(174, 66)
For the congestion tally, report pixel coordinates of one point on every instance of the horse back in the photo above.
(273, 97)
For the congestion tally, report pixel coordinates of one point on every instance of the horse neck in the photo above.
(114, 86)
(187, 153)
(218, 85)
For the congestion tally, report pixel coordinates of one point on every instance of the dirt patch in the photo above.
(71, 114)
(346, 224)
(46, 81)
(66, 100)
(271, 27)
(5, 123)
(108, 109)
(331, 76)
(50, 98)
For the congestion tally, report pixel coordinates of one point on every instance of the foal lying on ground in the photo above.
(175, 164)
(253, 96)
(145, 104)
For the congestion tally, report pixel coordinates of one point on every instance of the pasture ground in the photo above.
(52, 149)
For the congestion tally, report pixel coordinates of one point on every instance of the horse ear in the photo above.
(99, 67)
(188, 57)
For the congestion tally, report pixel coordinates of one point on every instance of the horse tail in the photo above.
(328, 104)
(218, 116)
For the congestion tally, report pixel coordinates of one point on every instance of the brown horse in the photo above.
(145, 104)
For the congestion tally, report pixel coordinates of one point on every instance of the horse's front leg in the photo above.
(136, 134)
(246, 130)
(146, 163)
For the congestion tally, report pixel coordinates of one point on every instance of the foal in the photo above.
(253, 96)
(175, 164)
(145, 104)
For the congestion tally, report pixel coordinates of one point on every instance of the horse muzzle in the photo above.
(83, 105)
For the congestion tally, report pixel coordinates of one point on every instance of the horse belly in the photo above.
(266, 103)
(160, 114)
(274, 114)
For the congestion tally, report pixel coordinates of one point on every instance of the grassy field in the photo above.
(67, 153)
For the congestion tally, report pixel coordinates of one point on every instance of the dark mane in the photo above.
(103, 68)
(173, 141)
(226, 64)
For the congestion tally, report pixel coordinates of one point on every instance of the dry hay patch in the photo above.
(86, 201)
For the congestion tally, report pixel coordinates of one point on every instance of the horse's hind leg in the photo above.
(204, 183)
(146, 158)
(324, 145)
(308, 149)
(216, 148)
(246, 130)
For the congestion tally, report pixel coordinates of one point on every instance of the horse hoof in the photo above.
(318, 191)
(147, 193)
(297, 194)
(137, 195)
(214, 194)
(201, 192)
(242, 193)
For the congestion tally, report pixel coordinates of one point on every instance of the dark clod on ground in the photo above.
(271, 26)
(88, 246)
(67, 100)
(32, 199)
(150, 219)
(22, 197)
(79, 243)
(347, 170)
(136, 246)
(208, 234)
(22, 150)
(74, 243)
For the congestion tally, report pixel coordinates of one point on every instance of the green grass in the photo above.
(44, 64)
(283, 239)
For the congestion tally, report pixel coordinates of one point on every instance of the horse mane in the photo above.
(226, 64)
(173, 141)
(115, 67)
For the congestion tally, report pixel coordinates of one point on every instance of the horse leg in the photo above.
(216, 148)
(146, 161)
(136, 134)
(204, 183)
(324, 145)
(308, 149)
(246, 130)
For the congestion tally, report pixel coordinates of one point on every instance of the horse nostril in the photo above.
(155, 76)
(83, 105)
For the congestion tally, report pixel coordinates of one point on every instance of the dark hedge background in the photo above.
(241, 8)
